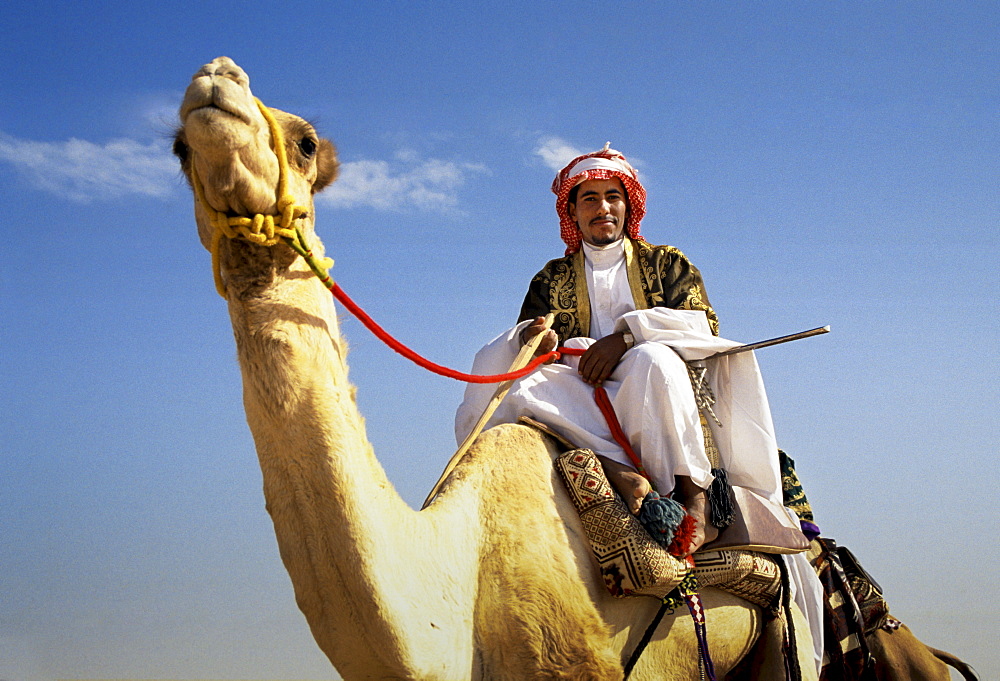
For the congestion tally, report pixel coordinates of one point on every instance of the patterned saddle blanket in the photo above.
(632, 563)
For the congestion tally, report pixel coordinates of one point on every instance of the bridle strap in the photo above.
(264, 230)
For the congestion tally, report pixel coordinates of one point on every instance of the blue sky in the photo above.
(822, 163)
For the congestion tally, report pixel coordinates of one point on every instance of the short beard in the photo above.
(605, 240)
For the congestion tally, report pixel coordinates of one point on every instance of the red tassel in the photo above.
(683, 537)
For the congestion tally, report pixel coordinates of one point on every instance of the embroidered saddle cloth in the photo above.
(632, 563)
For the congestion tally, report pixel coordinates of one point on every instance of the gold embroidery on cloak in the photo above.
(562, 297)
(652, 262)
(582, 294)
(694, 300)
(634, 274)
(652, 266)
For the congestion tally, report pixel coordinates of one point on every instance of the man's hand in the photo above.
(536, 327)
(602, 357)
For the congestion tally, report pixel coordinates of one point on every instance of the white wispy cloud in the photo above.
(556, 152)
(84, 171)
(404, 183)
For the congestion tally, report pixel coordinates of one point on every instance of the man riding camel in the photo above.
(596, 210)
(643, 316)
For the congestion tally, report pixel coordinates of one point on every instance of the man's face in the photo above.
(600, 211)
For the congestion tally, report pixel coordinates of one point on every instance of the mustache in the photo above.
(602, 218)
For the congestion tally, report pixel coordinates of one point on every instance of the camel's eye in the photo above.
(308, 146)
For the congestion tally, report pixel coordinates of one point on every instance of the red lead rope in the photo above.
(411, 355)
(600, 395)
(608, 409)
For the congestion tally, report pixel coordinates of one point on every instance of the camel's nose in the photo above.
(226, 68)
(221, 84)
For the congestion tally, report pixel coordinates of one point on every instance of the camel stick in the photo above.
(523, 357)
(772, 341)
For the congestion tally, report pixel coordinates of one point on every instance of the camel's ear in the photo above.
(327, 165)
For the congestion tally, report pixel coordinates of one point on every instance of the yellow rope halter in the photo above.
(261, 229)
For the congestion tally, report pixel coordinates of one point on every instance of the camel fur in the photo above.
(898, 655)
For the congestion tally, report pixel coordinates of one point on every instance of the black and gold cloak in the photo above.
(659, 276)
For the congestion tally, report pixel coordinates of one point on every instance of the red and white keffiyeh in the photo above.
(598, 165)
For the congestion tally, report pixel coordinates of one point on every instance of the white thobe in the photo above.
(652, 396)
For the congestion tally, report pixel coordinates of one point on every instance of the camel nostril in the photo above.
(227, 68)
(228, 73)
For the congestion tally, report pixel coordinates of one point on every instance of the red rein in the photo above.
(409, 354)
(600, 395)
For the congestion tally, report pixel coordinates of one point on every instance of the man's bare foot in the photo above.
(695, 500)
(632, 486)
(704, 532)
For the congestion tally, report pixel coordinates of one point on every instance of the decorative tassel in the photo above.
(681, 545)
(668, 523)
(661, 516)
(720, 499)
(697, 609)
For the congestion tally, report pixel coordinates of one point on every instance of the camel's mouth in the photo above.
(209, 111)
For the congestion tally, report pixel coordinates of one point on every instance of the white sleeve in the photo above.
(494, 358)
(686, 331)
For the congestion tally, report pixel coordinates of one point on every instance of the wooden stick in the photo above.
(772, 341)
(526, 354)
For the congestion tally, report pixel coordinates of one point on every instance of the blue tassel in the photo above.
(661, 517)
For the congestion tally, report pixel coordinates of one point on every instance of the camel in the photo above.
(898, 655)
(494, 579)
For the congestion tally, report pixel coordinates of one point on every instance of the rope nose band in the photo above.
(259, 229)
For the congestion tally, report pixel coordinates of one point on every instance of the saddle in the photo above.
(632, 563)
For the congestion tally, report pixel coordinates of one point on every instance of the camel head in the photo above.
(225, 144)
